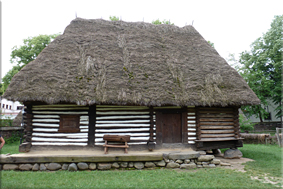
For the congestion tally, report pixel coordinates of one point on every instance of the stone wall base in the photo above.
(170, 161)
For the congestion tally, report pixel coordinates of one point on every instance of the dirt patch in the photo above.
(236, 164)
(271, 180)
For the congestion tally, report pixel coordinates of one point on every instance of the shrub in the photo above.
(245, 124)
(6, 122)
(15, 137)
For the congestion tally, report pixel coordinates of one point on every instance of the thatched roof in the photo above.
(18, 119)
(107, 62)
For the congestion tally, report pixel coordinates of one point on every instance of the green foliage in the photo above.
(158, 22)
(8, 77)
(114, 18)
(1, 93)
(212, 44)
(29, 51)
(245, 124)
(262, 69)
(24, 54)
(14, 138)
(7, 122)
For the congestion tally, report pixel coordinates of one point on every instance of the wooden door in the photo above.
(169, 128)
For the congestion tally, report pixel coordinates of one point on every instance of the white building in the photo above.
(9, 109)
(270, 108)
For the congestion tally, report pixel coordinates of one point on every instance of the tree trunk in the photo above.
(281, 115)
(260, 117)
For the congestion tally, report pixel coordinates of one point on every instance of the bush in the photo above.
(6, 122)
(15, 137)
(245, 124)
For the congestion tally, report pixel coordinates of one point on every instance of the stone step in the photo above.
(182, 155)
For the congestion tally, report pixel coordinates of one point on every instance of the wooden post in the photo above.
(26, 145)
(91, 125)
(236, 122)
(198, 130)
(184, 125)
(158, 127)
(151, 124)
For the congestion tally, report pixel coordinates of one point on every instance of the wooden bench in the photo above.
(120, 141)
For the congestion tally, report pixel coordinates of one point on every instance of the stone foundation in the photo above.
(170, 161)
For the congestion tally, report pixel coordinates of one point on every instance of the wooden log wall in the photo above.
(191, 125)
(217, 123)
(46, 120)
(123, 120)
(27, 119)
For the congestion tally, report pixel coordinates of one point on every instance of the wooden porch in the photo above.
(96, 156)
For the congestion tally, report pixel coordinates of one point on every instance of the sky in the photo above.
(231, 25)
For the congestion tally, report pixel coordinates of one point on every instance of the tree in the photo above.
(24, 54)
(262, 69)
(157, 22)
(1, 91)
(114, 18)
(29, 51)
(7, 78)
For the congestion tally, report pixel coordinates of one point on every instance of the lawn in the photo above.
(161, 178)
(11, 148)
(268, 160)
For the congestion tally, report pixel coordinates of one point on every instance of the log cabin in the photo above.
(161, 84)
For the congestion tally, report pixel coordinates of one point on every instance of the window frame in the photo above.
(75, 128)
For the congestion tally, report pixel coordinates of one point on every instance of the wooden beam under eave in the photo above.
(91, 125)
(198, 129)
(184, 125)
(151, 124)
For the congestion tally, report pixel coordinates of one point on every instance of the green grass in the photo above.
(268, 159)
(10, 148)
(161, 178)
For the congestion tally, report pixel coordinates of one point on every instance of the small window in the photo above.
(10, 107)
(3, 106)
(69, 124)
(7, 106)
(20, 107)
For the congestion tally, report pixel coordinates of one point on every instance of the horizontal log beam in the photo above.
(215, 112)
(215, 108)
(216, 131)
(122, 110)
(216, 115)
(216, 127)
(60, 112)
(121, 127)
(215, 120)
(216, 135)
(217, 123)
(81, 158)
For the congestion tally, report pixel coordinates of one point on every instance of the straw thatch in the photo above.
(106, 62)
(18, 120)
